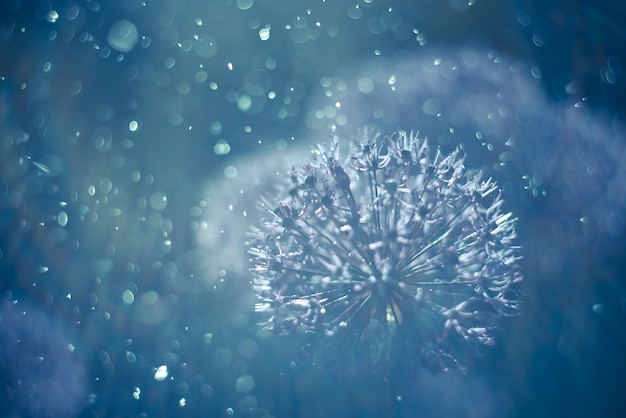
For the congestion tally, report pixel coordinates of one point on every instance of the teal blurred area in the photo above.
(136, 138)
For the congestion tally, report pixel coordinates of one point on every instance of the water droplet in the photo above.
(102, 138)
(264, 33)
(230, 172)
(72, 13)
(62, 218)
(206, 390)
(599, 308)
(355, 12)
(431, 107)
(52, 16)
(244, 383)
(128, 297)
(365, 85)
(205, 46)
(158, 201)
(123, 36)
(76, 88)
(42, 167)
(245, 4)
(161, 373)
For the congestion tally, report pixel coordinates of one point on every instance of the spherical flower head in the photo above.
(391, 247)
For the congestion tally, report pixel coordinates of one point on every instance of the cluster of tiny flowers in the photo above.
(390, 244)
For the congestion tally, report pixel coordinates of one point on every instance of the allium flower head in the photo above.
(390, 247)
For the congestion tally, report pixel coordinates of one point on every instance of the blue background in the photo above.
(136, 137)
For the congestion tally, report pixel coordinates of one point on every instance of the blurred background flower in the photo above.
(136, 136)
(42, 367)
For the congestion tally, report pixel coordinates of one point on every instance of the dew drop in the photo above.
(158, 201)
(264, 33)
(62, 218)
(161, 373)
(123, 36)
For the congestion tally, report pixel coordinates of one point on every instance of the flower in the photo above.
(394, 248)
